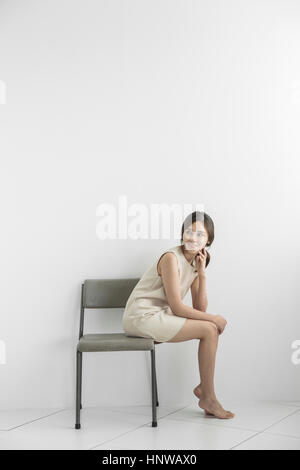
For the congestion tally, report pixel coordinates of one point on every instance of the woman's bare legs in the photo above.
(208, 334)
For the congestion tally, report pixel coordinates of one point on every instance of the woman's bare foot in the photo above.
(214, 407)
(198, 393)
(211, 406)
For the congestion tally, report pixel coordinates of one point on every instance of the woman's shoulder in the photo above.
(174, 250)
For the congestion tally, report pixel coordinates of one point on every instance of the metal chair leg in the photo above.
(80, 400)
(157, 404)
(78, 387)
(154, 396)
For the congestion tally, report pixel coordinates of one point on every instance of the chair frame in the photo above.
(79, 372)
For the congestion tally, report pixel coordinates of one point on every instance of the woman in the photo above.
(155, 310)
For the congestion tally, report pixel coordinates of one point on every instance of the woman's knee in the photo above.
(210, 330)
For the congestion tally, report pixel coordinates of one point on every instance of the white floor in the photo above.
(257, 425)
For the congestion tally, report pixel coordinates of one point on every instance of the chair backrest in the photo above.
(107, 293)
(104, 293)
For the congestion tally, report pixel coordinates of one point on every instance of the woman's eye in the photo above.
(199, 234)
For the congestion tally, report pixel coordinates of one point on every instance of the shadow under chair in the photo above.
(110, 293)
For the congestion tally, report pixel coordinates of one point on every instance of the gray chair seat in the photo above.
(113, 342)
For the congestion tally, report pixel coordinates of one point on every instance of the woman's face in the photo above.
(195, 237)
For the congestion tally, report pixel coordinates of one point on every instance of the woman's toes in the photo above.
(214, 408)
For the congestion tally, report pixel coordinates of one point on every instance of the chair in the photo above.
(110, 293)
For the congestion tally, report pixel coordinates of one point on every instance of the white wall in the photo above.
(165, 101)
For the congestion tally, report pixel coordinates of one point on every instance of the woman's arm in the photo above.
(198, 291)
(170, 279)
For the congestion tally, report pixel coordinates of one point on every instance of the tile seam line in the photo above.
(264, 430)
(33, 420)
(132, 430)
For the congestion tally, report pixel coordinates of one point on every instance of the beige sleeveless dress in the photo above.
(147, 313)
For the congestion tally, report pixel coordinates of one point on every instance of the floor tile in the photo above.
(289, 426)
(171, 434)
(129, 427)
(249, 415)
(57, 431)
(10, 419)
(267, 441)
(161, 410)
